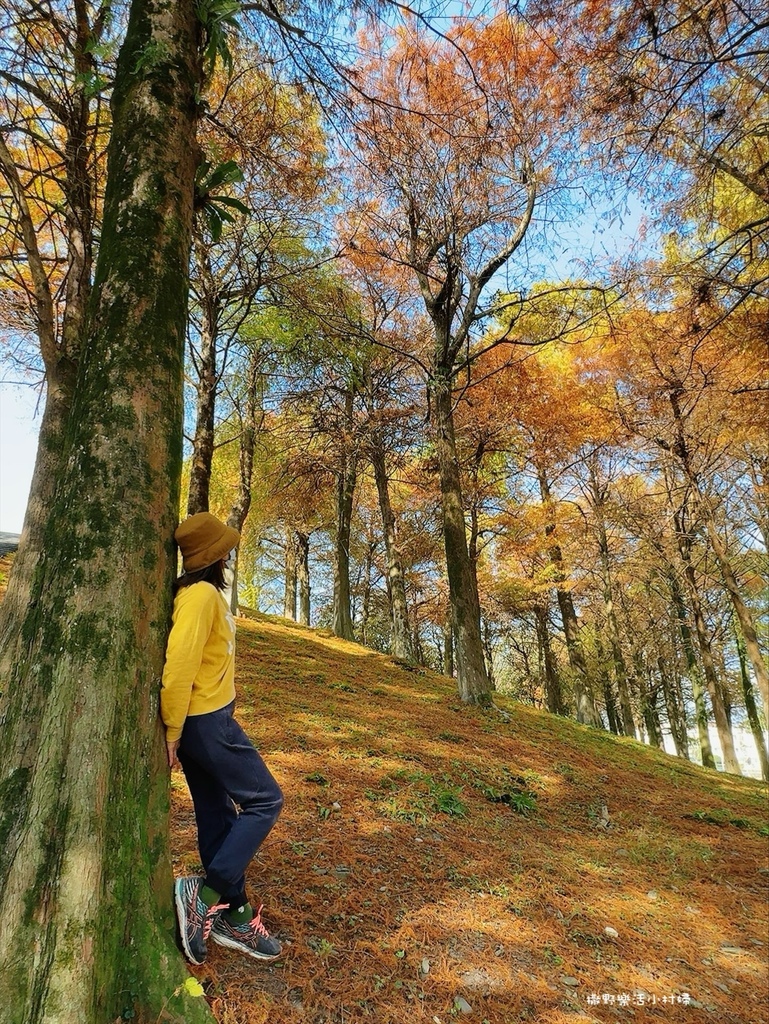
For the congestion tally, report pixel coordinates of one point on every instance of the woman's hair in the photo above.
(213, 574)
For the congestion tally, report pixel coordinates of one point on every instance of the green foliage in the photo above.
(316, 777)
(216, 208)
(218, 17)
(154, 55)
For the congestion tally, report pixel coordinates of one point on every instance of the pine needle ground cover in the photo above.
(436, 862)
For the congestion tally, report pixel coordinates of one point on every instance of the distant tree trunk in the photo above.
(618, 660)
(472, 680)
(400, 643)
(251, 416)
(345, 493)
(289, 591)
(553, 695)
(649, 694)
(608, 690)
(675, 710)
(303, 575)
(87, 924)
(203, 440)
(366, 601)
(750, 706)
(731, 764)
(586, 710)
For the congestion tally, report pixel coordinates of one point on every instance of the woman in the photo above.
(220, 763)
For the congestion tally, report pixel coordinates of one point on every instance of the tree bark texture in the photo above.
(400, 639)
(472, 680)
(85, 882)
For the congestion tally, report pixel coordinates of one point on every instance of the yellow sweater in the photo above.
(199, 674)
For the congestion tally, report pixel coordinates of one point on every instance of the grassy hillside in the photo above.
(437, 863)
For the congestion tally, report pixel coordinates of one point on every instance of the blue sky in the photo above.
(18, 447)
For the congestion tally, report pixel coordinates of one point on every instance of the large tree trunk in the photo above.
(400, 640)
(87, 931)
(472, 680)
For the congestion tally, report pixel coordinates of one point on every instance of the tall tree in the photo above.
(84, 871)
(453, 169)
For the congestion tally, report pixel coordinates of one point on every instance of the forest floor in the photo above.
(438, 862)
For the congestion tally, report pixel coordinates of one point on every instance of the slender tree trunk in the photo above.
(609, 697)
(693, 667)
(345, 494)
(366, 600)
(750, 706)
(251, 417)
(586, 711)
(203, 441)
(400, 643)
(87, 925)
(289, 591)
(731, 764)
(303, 575)
(675, 711)
(472, 680)
(618, 659)
(549, 669)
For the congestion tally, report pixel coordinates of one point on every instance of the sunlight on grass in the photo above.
(402, 876)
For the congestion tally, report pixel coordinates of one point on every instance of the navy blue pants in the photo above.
(223, 769)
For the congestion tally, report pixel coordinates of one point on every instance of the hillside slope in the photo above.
(436, 862)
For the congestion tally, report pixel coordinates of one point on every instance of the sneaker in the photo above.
(195, 918)
(252, 938)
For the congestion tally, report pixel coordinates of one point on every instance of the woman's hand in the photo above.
(172, 747)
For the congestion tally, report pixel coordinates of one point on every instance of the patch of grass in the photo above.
(723, 817)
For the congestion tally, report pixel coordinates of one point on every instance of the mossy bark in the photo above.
(87, 925)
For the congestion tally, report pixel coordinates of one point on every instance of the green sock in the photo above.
(240, 915)
(208, 896)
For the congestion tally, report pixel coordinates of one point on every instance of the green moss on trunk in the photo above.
(85, 885)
